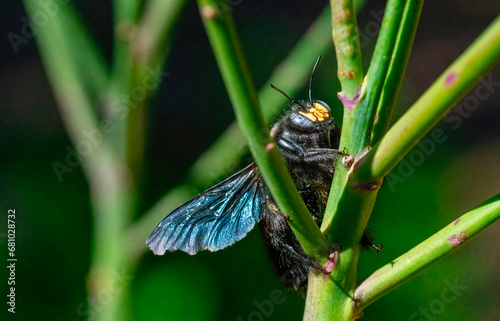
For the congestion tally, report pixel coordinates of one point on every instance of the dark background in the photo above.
(54, 219)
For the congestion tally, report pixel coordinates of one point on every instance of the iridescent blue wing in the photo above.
(214, 219)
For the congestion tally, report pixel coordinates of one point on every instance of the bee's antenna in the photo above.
(311, 79)
(281, 91)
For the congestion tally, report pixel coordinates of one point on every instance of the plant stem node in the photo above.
(208, 12)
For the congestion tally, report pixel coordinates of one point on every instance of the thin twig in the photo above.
(396, 70)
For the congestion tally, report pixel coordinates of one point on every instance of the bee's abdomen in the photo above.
(290, 260)
(284, 249)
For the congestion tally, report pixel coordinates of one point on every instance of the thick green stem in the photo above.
(453, 84)
(236, 75)
(351, 202)
(329, 298)
(325, 293)
(450, 238)
(353, 207)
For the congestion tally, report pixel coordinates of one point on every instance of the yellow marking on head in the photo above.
(320, 107)
(309, 115)
(318, 111)
(321, 116)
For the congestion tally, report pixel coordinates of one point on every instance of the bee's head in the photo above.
(311, 117)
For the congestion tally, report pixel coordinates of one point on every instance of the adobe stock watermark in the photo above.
(427, 146)
(48, 9)
(120, 108)
(265, 308)
(117, 283)
(437, 306)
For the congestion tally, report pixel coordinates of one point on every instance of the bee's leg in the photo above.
(321, 154)
(286, 253)
(300, 257)
(281, 238)
(290, 146)
(308, 261)
(367, 242)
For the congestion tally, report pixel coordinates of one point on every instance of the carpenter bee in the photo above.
(308, 139)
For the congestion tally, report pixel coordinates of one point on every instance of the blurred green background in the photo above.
(54, 220)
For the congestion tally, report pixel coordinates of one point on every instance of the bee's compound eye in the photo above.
(301, 122)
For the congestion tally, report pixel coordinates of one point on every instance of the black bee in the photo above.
(308, 139)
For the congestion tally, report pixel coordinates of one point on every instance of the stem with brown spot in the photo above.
(452, 85)
(405, 267)
(346, 39)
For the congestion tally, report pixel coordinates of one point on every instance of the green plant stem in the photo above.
(149, 46)
(84, 51)
(346, 39)
(109, 200)
(360, 116)
(396, 69)
(79, 45)
(351, 211)
(153, 35)
(67, 85)
(450, 238)
(125, 14)
(453, 84)
(350, 203)
(103, 169)
(236, 75)
(329, 298)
